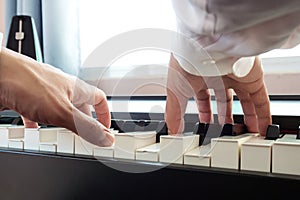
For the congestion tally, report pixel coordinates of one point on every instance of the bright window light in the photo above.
(282, 53)
(100, 20)
(104, 19)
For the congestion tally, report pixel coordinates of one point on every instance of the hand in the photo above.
(41, 93)
(250, 90)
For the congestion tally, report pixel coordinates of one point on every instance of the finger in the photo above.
(90, 129)
(178, 93)
(88, 94)
(85, 108)
(203, 102)
(175, 109)
(101, 108)
(224, 100)
(250, 118)
(261, 104)
(83, 93)
(28, 123)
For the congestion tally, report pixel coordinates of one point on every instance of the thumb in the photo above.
(28, 123)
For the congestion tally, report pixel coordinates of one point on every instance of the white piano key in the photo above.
(225, 151)
(13, 136)
(83, 147)
(48, 135)
(31, 139)
(148, 153)
(286, 155)
(113, 131)
(8, 131)
(65, 141)
(4, 135)
(48, 147)
(173, 147)
(288, 137)
(15, 132)
(16, 137)
(127, 143)
(256, 154)
(199, 156)
(16, 143)
(48, 138)
(107, 152)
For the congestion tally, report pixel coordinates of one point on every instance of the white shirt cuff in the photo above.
(198, 61)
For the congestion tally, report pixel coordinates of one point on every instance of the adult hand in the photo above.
(250, 90)
(41, 93)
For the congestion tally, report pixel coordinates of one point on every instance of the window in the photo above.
(102, 20)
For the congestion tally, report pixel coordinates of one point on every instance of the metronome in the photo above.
(23, 37)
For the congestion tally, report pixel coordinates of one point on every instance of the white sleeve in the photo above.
(197, 60)
(231, 33)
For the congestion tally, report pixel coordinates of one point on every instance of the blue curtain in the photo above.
(57, 24)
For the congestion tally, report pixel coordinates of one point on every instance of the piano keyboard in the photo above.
(61, 165)
(225, 148)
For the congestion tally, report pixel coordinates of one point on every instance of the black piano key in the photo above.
(142, 126)
(201, 130)
(161, 129)
(188, 127)
(117, 124)
(213, 131)
(138, 125)
(150, 125)
(233, 129)
(273, 132)
(227, 130)
(127, 126)
(239, 129)
(207, 132)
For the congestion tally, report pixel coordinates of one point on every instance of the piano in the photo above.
(50, 173)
